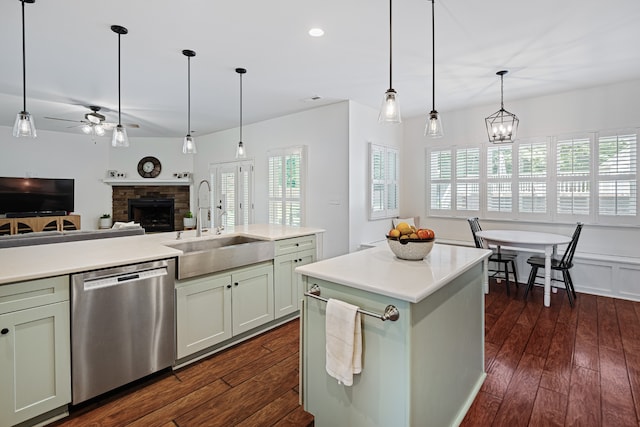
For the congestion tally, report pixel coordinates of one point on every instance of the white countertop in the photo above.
(378, 270)
(38, 261)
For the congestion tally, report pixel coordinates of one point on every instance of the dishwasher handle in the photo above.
(104, 282)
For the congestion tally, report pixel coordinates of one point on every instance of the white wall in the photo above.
(325, 132)
(364, 128)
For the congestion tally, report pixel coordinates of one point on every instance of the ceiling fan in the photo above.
(94, 123)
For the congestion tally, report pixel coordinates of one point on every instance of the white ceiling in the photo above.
(547, 46)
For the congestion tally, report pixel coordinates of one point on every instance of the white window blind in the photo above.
(468, 179)
(233, 190)
(617, 175)
(499, 178)
(573, 174)
(532, 177)
(383, 181)
(441, 174)
(286, 186)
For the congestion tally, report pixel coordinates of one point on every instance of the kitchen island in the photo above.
(424, 369)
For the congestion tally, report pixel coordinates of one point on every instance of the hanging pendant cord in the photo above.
(24, 66)
(240, 107)
(433, 52)
(502, 91)
(188, 95)
(390, 46)
(119, 108)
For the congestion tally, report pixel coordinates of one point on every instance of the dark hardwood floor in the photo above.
(559, 366)
(553, 366)
(254, 383)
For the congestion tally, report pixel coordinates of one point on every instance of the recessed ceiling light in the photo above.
(316, 32)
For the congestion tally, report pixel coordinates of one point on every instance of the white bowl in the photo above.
(410, 249)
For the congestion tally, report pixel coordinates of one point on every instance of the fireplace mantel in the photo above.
(148, 181)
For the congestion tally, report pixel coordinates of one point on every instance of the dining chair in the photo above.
(504, 260)
(563, 264)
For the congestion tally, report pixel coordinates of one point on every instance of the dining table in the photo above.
(527, 240)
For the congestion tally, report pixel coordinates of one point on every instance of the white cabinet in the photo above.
(203, 309)
(252, 297)
(214, 308)
(35, 367)
(289, 254)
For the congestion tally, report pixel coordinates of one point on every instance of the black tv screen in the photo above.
(35, 195)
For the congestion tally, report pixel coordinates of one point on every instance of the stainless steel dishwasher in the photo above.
(122, 326)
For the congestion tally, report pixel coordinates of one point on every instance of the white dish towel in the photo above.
(344, 341)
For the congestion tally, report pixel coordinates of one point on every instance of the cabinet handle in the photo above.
(295, 260)
(236, 283)
(300, 260)
(297, 244)
(228, 286)
(4, 331)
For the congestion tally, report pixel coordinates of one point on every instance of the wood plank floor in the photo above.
(252, 384)
(553, 366)
(559, 366)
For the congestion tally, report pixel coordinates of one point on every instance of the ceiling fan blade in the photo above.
(64, 120)
(110, 126)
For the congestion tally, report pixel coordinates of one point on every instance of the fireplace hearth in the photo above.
(153, 215)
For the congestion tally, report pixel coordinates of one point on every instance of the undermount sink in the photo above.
(211, 255)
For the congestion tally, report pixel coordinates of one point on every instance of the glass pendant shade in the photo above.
(99, 130)
(240, 152)
(24, 126)
(390, 109)
(434, 125)
(120, 138)
(502, 126)
(189, 145)
(87, 129)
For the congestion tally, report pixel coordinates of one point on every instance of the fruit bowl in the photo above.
(410, 249)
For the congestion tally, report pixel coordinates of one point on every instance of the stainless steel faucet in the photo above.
(199, 220)
(220, 227)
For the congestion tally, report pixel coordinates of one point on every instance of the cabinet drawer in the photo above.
(33, 293)
(288, 246)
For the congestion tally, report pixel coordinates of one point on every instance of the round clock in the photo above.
(149, 167)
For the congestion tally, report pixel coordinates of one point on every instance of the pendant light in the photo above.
(390, 109)
(24, 125)
(240, 151)
(502, 125)
(119, 138)
(434, 123)
(189, 144)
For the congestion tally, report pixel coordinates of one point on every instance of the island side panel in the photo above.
(380, 394)
(447, 351)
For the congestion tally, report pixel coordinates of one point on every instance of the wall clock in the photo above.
(149, 167)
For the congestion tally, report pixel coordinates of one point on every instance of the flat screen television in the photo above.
(36, 196)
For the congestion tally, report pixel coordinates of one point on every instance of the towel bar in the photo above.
(390, 312)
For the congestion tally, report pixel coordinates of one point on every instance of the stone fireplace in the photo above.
(155, 207)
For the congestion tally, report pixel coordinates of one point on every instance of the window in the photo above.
(286, 186)
(532, 177)
(617, 175)
(589, 177)
(499, 173)
(233, 193)
(468, 179)
(441, 175)
(573, 172)
(384, 181)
